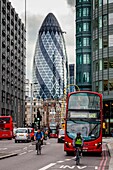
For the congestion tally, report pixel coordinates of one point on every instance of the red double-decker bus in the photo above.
(84, 115)
(6, 127)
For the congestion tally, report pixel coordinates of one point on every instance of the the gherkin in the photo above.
(50, 65)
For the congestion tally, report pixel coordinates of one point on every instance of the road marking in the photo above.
(3, 148)
(81, 167)
(25, 148)
(67, 159)
(60, 161)
(96, 167)
(67, 166)
(23, 153)
(48, 166)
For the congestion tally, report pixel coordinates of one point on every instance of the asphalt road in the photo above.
(53, 157)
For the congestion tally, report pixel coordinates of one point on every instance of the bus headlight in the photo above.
(98, 144)
(68, 144)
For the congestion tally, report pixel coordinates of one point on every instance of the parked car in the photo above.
(61, 136)
(22, 134)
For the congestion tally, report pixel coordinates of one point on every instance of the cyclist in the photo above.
(38, 137)
(78, 142)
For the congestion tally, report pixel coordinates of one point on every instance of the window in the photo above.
(105, 63)
(95, 44)
(86, 26)
(79, 58)
(79, 42)
(100, 2)
(111, 62)
(105, 42)
(79, 27)
(110, 40)
(79, 12)
(111, 84)
(100, 21)
(100, 64)
(100, 42)
(86, 59)
(96, 3)
(86, 12)
(104, 20)
(96, 65)
(96, 86)
(86, 41)
(105, 85)
(95, 24)
(104, 2)
(100, 86)
(110, 18)
(85, 76)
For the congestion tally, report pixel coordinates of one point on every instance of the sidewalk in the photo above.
(109, 141)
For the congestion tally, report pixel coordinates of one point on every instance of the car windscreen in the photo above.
(21, 131)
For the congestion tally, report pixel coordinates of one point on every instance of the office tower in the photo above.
(50, 60)
(72, 77)
(102, 56)
(12, 63)
(83, 44)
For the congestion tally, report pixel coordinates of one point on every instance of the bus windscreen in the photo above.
(84, 101)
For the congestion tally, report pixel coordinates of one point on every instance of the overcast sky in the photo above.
(36, 11)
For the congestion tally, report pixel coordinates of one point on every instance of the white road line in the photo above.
(25, 148)
(60, 161)
(67, 159)
(23, 153)
(3, 148)
(96, 167)
(48, 166)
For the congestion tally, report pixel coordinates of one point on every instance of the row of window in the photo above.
(84, 77)
(83, 1)
(99, 3)
(83, 26)
(83, 12)
(104, 85)
(83, 59)
(83, 41)
(103, 42)
(105, 63)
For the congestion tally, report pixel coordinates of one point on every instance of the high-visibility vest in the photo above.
(78, 141)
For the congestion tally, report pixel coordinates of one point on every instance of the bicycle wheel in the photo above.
(37, 148)
(77, 157)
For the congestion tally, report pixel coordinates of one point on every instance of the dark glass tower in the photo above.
(102, 60)
(83, 44)
(50, 60)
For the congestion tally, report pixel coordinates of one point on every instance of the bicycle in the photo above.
(38, 147)
(77, 156)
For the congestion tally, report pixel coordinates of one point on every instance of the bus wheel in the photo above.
(15, 141)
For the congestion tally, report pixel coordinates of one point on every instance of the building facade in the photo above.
(71, 77)
(50, 63)
(102, 56)
(12, 63)
(83, 44)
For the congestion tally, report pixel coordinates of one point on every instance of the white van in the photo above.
(22, 134)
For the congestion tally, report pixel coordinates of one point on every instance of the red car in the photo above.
(53, 133)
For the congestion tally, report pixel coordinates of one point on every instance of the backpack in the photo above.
(37, 135)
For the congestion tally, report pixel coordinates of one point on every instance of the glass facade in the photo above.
(102, 59)
(83, 44)
(50, 60)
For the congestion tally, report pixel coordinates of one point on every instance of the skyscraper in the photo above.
(50, 60)
(83, 44)
(12, 63)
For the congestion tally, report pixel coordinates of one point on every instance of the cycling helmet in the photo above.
(78, 134)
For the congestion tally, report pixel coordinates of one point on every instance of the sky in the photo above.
(36, 11)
